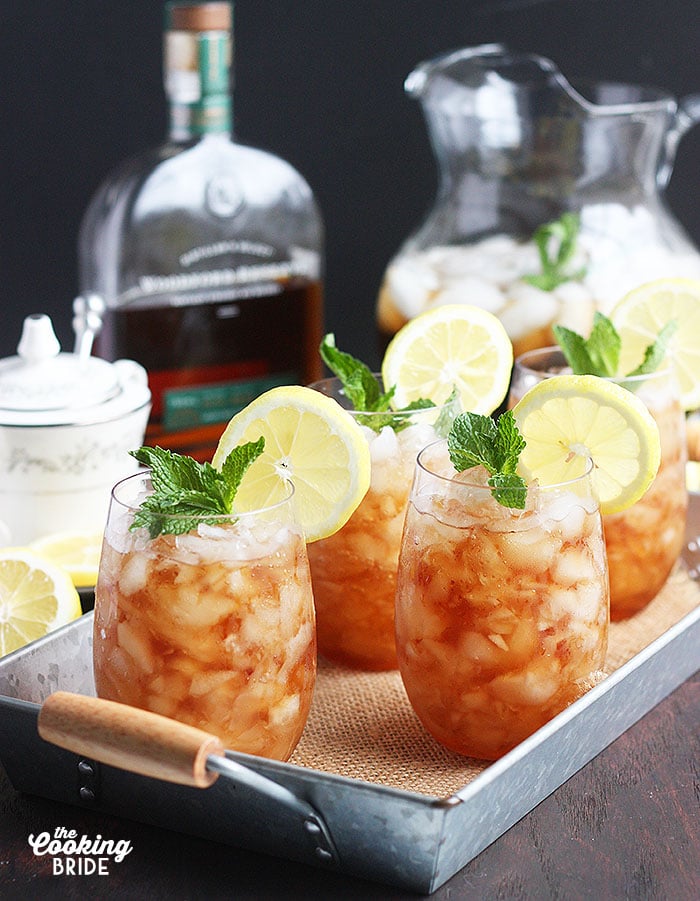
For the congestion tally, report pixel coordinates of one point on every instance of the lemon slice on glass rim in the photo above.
(452, 345)
(644, 311)
(568, 419)
(36, 597)
(78, 552)
(311, 441)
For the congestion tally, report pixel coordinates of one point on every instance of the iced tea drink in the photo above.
(354, 570)
(214, 627)
(645, 541)
(501, 614)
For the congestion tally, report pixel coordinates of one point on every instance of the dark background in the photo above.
(320, 83)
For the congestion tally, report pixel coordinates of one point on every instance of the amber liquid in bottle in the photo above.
(206, 361)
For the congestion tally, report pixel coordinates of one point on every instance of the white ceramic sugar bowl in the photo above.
(67, 423)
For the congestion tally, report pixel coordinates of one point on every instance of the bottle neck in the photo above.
(189, 121)
(198, 83)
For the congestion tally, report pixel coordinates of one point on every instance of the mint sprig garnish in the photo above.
(599, 354)
(655, 353)
(186, 492)
(556, 245)
(364, 391)
(495, 444)
(360, 384)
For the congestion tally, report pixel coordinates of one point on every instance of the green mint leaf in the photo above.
(472, 442)
(361, 386)
(545, 282)
(655, 353)
(574, 349)
(556, 245)
(185, 492)
(476, 440)
(171, 472)
(363, 390)
(509, 490)
(604, 344)
(161, 517)
(451, 409)
(509, 443)
(237, 463)
(395, 419)
(566, 230)
(599, 354)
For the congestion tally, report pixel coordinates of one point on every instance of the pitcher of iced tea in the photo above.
(550, 199)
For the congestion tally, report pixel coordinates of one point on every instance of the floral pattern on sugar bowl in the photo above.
(67, 423)
(80, 460)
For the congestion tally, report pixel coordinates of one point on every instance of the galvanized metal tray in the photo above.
(405, 838)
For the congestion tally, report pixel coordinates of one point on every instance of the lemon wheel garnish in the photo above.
(644, 311)
(77, 552)
(36, 597)
(568, 419)
(312, 442)
(453, 345)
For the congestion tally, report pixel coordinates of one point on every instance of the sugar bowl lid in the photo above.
(43, 386)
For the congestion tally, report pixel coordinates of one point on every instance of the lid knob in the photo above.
(38, 340)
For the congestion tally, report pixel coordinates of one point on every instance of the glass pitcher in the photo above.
(550, 199)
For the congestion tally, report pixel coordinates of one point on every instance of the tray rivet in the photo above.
(88, 773)
(312, 828)
(324, 855)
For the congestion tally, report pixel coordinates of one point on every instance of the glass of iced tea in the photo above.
(354, 571)
(213, 627)
(501, 614)
(644, 541)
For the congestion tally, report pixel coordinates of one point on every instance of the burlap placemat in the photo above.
(362, 726)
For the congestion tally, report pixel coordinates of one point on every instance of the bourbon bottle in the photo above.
(207, 254)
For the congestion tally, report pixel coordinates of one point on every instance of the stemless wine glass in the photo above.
(214, 627)
(501, 614)
(645, 541)
(354, 571)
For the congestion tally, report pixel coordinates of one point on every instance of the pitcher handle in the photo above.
(687, 115)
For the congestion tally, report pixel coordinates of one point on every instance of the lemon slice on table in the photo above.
(453, 345)
(567, 419)
(645, 310)
(312, 442)
(36, 597)
(77, 552)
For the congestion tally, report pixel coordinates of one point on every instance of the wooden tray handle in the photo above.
(129, 738)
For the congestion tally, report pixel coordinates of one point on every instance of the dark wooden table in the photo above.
(627, 826)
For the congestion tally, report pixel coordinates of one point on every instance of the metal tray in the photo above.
(403, 838)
